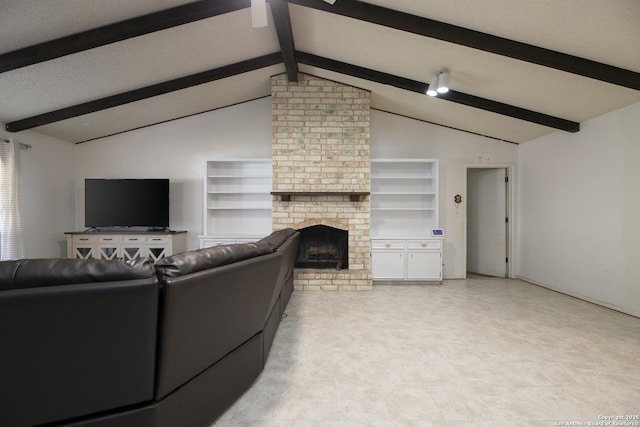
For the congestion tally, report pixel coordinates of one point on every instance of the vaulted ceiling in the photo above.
(519, 69)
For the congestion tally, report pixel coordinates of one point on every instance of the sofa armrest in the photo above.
(289, 250)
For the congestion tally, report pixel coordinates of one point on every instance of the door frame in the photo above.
(511, 212)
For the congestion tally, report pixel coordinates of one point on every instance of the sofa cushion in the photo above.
(202, 259)
(31, 273)
(278, 237)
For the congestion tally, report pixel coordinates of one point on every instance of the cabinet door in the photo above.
(387, 264)
(157, 252)
(84, 247)
(131, 251)
(158, 247)
(86, 251)
(424, 265)
(133, 247)
(108, 251)
(109, 247)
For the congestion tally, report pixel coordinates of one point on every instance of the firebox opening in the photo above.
(323, 247)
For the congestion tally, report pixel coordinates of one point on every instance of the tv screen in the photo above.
(126, 203)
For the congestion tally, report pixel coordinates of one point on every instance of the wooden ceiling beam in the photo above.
(511, 111)
(453, 96)
(118, 31)
(282, 21)
(145, 92)
(477, 40)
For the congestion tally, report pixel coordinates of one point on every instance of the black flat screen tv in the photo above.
(126, 203)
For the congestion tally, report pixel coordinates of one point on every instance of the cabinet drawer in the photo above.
(158, 240)
(387, 244)
(424, 244)
(109, 239)
(134, 239)
(85, 239)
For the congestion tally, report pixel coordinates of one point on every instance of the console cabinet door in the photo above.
(109, 247)
(423, 265)
(158, 247)
(84, 247)
(133, 247)
(387, 264)
(424, 259)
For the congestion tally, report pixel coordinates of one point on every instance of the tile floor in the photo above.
(476, 352)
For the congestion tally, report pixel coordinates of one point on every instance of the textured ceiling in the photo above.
(611, 36)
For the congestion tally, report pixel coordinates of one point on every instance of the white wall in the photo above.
(178, 150)
(579, 227)
(577, 193)
(47, 184)
(395, 136)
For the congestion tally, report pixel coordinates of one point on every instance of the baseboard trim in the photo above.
(580, 297)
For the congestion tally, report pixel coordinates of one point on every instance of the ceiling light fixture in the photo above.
(439, 84)
(259, 13)
(432, 90)
(443, 82)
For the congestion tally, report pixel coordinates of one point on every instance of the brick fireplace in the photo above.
(321, 164)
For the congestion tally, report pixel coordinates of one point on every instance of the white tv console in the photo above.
(124, 245)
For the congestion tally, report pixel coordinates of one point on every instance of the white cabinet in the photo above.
(133, 247)
(159, 247)
(237, 200)
(404, 210)
(424, 260)
(410, 259)
(82, 246)
(388, 259)
(110, 245)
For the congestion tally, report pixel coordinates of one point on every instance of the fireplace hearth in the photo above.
(323, 247)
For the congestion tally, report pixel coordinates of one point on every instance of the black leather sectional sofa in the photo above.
(111, 344)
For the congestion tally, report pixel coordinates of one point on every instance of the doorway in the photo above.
(488, 224)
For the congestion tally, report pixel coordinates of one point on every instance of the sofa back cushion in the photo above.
(209, 313)
(77, 349)
(33, 273)
(278, 237)
(203, 259)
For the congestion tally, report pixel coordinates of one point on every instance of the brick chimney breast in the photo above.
(321, 143)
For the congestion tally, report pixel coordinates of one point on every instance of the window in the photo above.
(11, 227)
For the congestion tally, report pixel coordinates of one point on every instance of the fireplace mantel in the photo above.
(354, 196)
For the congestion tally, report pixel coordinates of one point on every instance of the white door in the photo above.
(487, 221)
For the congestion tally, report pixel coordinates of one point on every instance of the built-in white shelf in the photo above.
(238, 199)
(404, 197)
(404, 210)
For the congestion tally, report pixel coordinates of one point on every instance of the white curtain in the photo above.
(11, 229)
